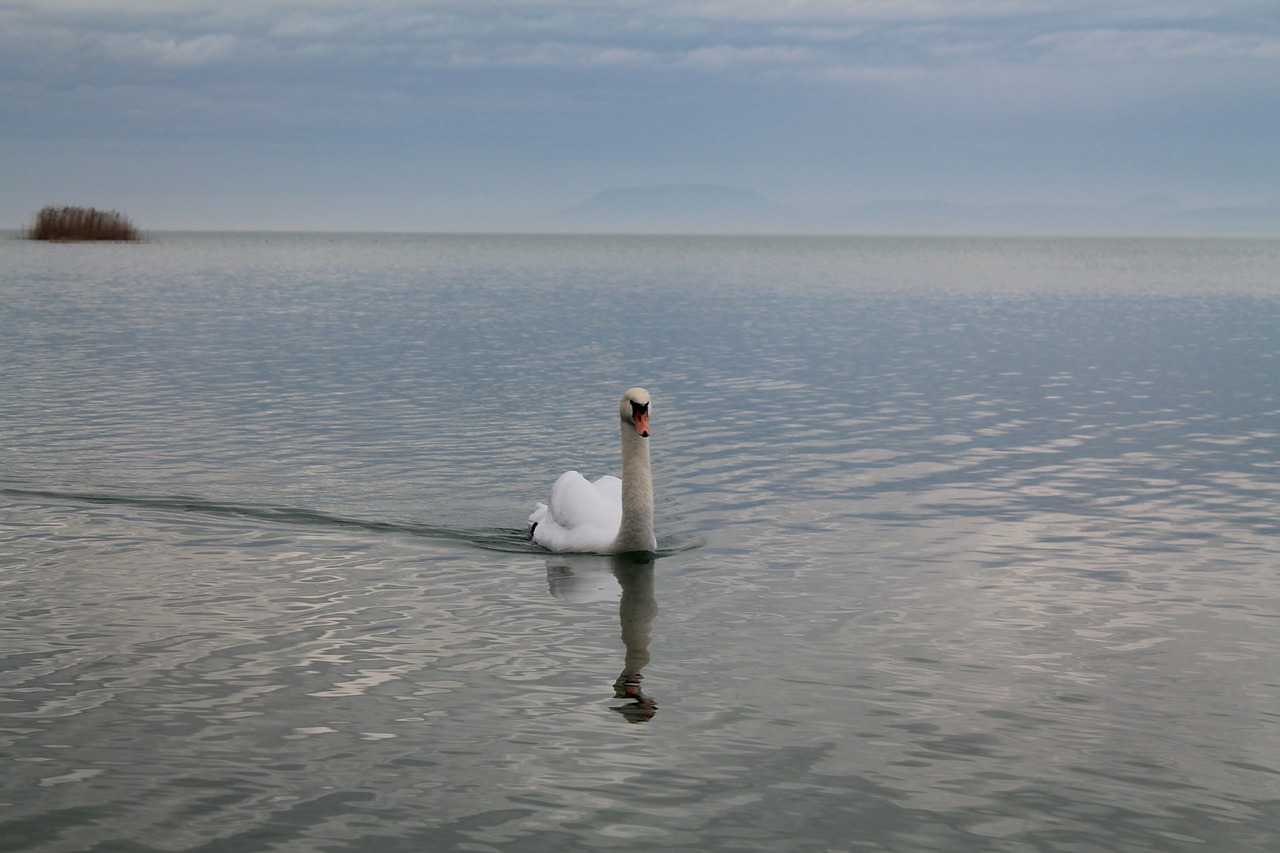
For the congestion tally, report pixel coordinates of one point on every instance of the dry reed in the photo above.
(66, 224)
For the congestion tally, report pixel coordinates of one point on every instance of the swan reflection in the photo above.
(627, 579)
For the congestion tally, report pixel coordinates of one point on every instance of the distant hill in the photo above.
(676, 207)
(1152, 214)
(711, 208)
(1153, 203)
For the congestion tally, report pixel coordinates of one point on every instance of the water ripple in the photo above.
(967, 545)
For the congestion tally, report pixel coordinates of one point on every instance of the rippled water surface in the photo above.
(966, 545)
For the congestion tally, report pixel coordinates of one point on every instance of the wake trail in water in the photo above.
(492, 539)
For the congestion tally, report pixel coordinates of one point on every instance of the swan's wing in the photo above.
(580, 516)
(610, 489)
(577, 503)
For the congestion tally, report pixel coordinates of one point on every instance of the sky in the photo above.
(479, 115)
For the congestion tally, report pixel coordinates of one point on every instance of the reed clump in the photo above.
(68, 223)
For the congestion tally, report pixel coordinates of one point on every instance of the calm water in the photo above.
(967, 545)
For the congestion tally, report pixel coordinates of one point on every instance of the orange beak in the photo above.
(642, 423)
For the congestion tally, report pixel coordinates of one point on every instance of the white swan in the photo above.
(609, 516)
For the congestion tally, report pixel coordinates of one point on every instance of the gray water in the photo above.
(965, 545)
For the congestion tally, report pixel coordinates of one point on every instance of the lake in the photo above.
(964, 545)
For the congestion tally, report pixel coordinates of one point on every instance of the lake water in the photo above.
(966, 545)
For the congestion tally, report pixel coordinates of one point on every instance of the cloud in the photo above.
(831, 11)
(821, 38)
(305, 25)
(857, 94)
(721, 57)
(1112, 45)
(163, 50)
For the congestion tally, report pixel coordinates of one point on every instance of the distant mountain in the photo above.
(676, 207)
(710, 208)
(1263, 220)
(1152, 214)
(1153, 203)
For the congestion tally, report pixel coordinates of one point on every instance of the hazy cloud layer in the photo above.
(488, 112)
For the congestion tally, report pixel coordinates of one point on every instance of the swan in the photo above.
(608, 516)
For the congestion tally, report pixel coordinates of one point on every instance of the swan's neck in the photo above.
(636, 531)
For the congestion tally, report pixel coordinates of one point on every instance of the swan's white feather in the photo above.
(581, 516)
(610, 515)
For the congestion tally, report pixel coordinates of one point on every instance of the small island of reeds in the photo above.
(72, 224)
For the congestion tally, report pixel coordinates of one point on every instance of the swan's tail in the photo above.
(539, 513)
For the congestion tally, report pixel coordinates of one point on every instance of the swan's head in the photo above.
(634, 410)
